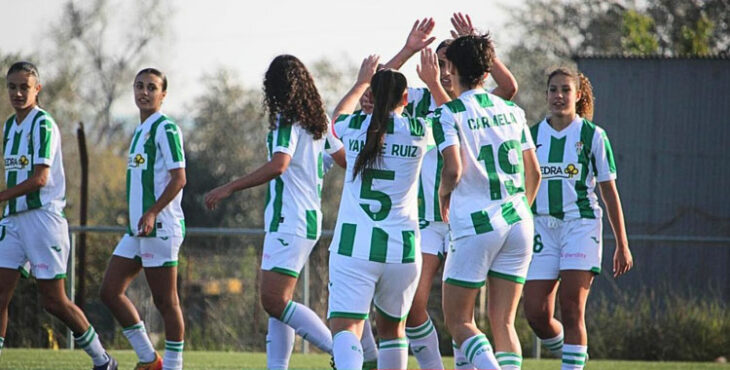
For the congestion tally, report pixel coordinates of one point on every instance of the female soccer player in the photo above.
(33, 230)
(374, 255)
(575, 154)
(156, 228)
(488, 152)
(299, 135)
(435, 239)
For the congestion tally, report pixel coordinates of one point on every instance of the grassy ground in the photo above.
(64, 359)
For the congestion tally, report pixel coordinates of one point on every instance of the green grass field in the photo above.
(73, 360)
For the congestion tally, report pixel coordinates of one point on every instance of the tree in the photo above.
(88, 54)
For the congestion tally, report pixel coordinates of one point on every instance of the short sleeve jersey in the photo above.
(156, 148)
(572, 161)
(35, 141)
(378, 215)
(293, 200)
(492, 134)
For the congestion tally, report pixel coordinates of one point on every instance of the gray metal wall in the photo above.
(669, 124)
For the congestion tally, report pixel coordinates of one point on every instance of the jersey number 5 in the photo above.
(486, 154)
(367, 192)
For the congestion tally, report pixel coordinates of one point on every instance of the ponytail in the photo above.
(584, 105)
(387, 87)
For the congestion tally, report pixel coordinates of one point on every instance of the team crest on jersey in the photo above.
(578, 147)
(16, 162)
(560, 171)
(137, 161)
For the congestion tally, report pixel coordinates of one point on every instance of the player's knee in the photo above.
(572, 314)
(166, 303)
(274, 304)
(53, 304)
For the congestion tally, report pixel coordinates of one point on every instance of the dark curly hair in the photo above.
(472, 55)
(289, 91)
(584, 105)
(387, 87)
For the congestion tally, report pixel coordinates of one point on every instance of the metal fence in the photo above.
(305, 290)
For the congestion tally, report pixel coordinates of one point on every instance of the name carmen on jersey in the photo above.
(398, 150)
(499, 119)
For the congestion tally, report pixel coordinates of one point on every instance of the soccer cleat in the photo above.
(109, 365)
(155, 364)
(332, 363)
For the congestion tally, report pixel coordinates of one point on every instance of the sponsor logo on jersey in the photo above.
(137, 161)
(560, 171)
(17, 162)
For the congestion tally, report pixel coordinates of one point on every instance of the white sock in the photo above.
(509, 360)
(554, 345)
(173, 359)
(137, 337)
(369, 348)
(90, 343)
(574, 356)
(279, 344)
(393, 354)
(2, 342)
(460, 361)
(307, 325)
(479, 352)
(347, 351)
(424, 342)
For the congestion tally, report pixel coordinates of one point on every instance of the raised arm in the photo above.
(349, 102)
(430, 73)
(417, 39)
(506, 82)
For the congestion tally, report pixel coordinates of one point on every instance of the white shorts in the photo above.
(502, 253)
(355, 282)
(286, 253)
(160, 251)
(435, 237)
(565, 245)
(36, 236)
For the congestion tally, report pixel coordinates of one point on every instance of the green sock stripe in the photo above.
(453, 344)
(506, 354)
(174, 346)
(137, 326)
(557, 345)
(285, 316)
(414, 336)
(574, 354)
(509, 362)
(420, 328)
(573, 362)
(2, 342)
(393, 343)
(477, 342)
(420, 331)
(85, 339)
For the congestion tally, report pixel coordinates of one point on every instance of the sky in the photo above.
(245, 36)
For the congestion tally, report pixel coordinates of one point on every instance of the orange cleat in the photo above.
(155, 364)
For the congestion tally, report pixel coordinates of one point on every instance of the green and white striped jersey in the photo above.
(422, 105)
(378, 216)
(293, 200)
(157, 148)
(34, 141)
(492, 133)
(571, 161)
